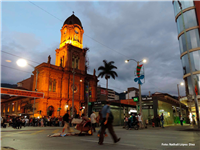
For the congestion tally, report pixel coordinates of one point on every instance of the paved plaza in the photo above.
(35, 138)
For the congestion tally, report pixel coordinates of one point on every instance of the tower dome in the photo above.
(73, 20)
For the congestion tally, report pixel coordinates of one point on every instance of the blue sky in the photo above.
(122, 30)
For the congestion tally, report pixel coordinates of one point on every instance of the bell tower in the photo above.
(72, 32)
(70, 53)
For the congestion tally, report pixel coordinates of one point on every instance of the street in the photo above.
(36, 138)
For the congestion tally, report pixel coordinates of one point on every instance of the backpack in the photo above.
(111, 117)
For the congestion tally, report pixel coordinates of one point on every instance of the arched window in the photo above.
(54, 85)
(75, 62)
(50, 84)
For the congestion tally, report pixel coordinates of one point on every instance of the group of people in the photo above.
(105, 118)
(19, 122)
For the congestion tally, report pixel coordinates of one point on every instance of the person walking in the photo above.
(60, 121)
(42, 122)
(130, 122)
(66, 119)
(162, 120)
(181, 120)
(99, 120)
(158, 120)
(93, 120)
(140, 121)
(107, 123)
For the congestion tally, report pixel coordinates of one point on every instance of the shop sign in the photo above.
(97, 103)
(146, 98)
(147, 106)
(135, 99)
(104, 92)
(24, 93)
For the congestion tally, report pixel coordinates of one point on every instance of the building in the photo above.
(102, 92)
(159, 103)
(191, 17)
(132, 92)
(58, 81)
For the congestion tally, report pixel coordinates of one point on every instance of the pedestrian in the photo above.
(93, 120)
(60, 121)
(181, 120)
(66, 119)
(99, 120)
(162, 120)
(158, 120)
(140, 121)
(126, 122)
(42, 122)
(130, 122)
(26, 122)
(107, 123)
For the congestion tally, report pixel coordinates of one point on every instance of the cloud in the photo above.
(117, 31)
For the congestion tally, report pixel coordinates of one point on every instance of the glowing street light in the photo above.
(140, 98)
(21, 62)
(179, 97)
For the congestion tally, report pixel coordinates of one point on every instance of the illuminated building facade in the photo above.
(56, 81)
(191, 21)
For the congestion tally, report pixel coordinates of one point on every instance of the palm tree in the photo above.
(107, 71)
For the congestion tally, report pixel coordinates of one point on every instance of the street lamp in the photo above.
(140, 98)
(179, 97)
(23, 63)
(190, 66)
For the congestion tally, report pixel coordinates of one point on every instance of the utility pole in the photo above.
(88, 97)
(73, 93)
(37, 72)
(140, 97)
(179, 100)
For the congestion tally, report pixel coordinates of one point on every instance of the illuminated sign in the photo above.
(104, 92)
(135, 99)
(24, 93)
(146, 98)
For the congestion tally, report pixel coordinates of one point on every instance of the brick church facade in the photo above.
(56, 81)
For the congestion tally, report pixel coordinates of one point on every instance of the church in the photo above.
(64, 82)
(56, 81)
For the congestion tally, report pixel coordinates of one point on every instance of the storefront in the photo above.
(155, 105)
(118, 110)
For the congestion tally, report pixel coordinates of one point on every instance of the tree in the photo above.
(107, 71)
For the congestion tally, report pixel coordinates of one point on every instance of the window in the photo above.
(192, 39)
(189, 20)
(75, 62)
(52, 85)
(185, 4)
(13, 107)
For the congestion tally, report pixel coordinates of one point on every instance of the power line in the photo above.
(16, 69)
(19, 57)
(84, 34)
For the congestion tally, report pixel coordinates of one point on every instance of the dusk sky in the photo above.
(114, 31)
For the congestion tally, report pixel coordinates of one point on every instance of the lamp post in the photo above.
(179, 97)
(23, 63)
(73, 94)
(140, 98)
(190, 66)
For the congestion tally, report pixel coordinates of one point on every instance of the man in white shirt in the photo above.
(140, 120)
(93, 120)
